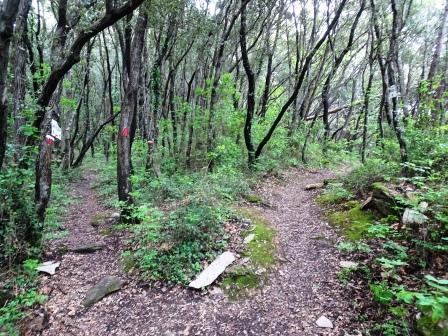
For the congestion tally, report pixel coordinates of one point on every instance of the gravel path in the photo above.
(302, 287)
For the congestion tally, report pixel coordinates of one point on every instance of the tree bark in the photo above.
(250, 90)
(8, 13)
(128, 106)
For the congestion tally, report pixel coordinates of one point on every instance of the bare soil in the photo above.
(302, 286)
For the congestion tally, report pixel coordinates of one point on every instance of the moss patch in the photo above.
(253, 198)
(98, 219)
(242, 280)
(353, 221)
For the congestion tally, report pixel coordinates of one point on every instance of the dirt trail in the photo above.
(302, 286)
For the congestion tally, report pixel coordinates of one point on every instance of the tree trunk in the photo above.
(8, 13)
(128, 106)
(250, 90)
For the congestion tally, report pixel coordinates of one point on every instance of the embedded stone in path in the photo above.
(348, 264)
(48, 267)
(107, 285)
(315, 186)
(88, 248)
(213, 271)
(324, 322)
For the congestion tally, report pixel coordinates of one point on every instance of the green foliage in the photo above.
(334, 193)
(22, 285)
(174, 248)
(20, 231)
(353, 246)
(374, 170)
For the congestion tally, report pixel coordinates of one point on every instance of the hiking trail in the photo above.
(302, 286)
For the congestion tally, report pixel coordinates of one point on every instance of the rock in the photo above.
(381, 200)
(88, 248)
(366, 203)
(115, 215)
(213, 271)
(348, 264)
(48, 267)
(413, 217)
(249, 238)
(312, 186)
(423, 206)
(105, 286)
(324, 322)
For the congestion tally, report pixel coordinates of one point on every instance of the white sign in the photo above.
(56, 131)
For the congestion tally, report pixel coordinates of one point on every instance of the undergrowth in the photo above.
(402, 265)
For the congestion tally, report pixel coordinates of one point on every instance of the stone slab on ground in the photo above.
(213, 271)
(105, 286)
(48, 267)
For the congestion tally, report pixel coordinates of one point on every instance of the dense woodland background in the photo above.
(231, 90)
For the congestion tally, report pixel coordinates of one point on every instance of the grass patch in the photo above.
(253, 198)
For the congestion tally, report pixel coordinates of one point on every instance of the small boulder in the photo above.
(413, 217)
(105, 286)
(382, 199)
(313, 186)
(324, 322)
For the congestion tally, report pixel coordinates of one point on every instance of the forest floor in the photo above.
(301, 287)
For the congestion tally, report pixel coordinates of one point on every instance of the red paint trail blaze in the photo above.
(125, 132)
(49, 140)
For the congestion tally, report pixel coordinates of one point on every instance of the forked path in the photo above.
(302, 287)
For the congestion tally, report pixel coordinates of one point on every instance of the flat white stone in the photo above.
(249, 238)
(348, 264)
(324, 322)
(213, 271)
(48, 267)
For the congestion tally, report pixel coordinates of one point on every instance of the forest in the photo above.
(224, 167)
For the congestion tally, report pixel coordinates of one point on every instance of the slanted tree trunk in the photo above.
(305, 67)
(334, 69)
